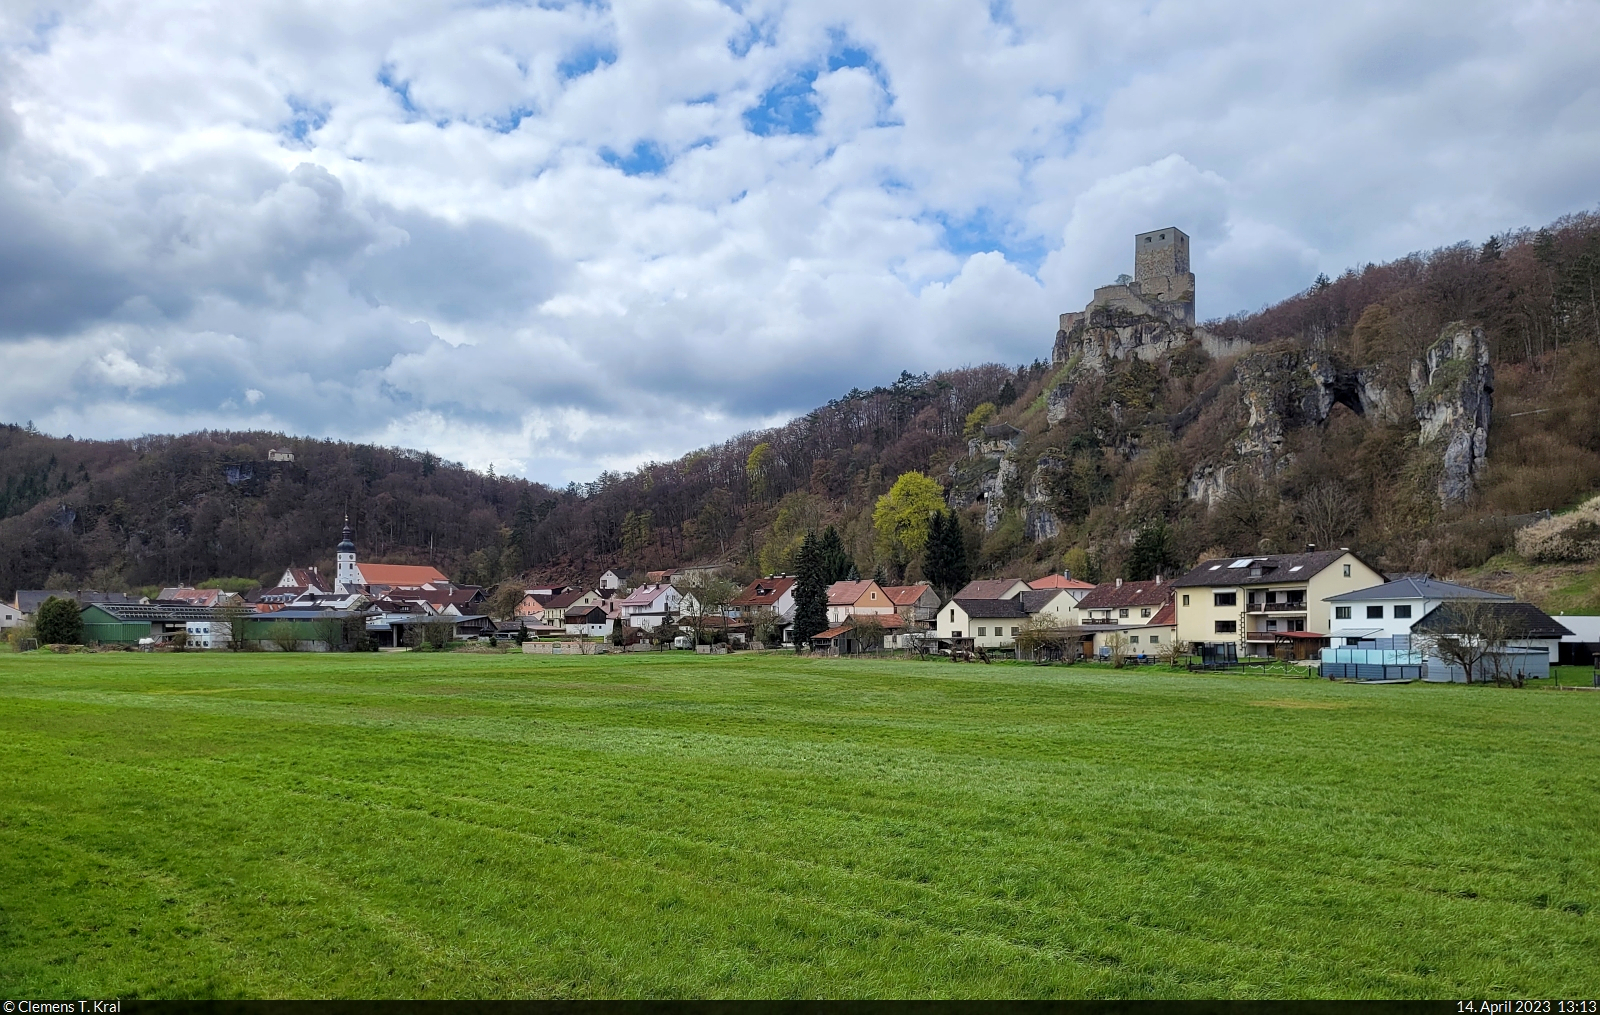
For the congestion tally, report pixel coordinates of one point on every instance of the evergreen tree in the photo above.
(810, 593)
(960, 566)
(59, 622)
(836, 563)
(1152, 553)
(946, 561)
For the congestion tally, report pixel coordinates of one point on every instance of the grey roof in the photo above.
(1274, 569)
(1035, 600)
(1416, 588)
(987, 609)
(135, 612)
(28, 600)
(1525, 619)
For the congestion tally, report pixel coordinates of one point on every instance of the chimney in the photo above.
(1311, 547)
(1158, 578)
(1119, 583)
(1066, 573)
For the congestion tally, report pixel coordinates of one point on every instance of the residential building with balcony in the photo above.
(1267, 603)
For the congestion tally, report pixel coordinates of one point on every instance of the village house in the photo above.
(589, 621)
(615, 579)
(198, 597)
(987, 623)
(852, 598)
(1267, 603)
(649, 606)
(917, 605)
(1388, 610)
(1124, 602)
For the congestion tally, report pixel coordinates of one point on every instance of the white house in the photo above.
(649, 606)
(10, 616)
(615, 579)
(1388, 610)
(989, 623)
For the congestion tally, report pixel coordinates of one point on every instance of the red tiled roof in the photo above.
(763, 592)
(1056, 581)
(1167, 615)
(399, 574)
(832, 632)
(905, 595)
(564, 600)
(848, 593)
(1113, 596)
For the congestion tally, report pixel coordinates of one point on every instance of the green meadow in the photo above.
(277, 825)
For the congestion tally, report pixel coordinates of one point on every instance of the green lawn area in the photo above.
(443, 825)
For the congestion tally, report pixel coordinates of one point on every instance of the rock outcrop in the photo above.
(1449, 394)
(1452, 388)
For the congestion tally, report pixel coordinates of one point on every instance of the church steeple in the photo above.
(348, 574)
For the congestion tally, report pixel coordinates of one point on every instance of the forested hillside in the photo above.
(1134, 466)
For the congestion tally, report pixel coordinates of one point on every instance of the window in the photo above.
(955, 634)
(1186, 600)
(1227, 626)
(1122, 613)
(1015, 631)
(1155, 639)
(1225, 599)
(1134, 640)
(952, 617)
(1402, 613)
(872, 595)
(1352, 641)
(1341, 613)
(1272, 625)
(1374, 613)
(1145, 612)
(982, 631)
(1347, 570)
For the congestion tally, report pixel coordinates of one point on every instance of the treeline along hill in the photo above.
(1116, 466)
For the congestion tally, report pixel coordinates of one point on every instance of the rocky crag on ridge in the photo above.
(1442, 403)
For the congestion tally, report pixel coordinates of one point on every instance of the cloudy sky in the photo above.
(562, 237)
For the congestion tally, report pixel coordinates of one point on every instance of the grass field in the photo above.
(436, 825)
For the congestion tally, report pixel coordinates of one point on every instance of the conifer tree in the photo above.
(836, 563)
(810, 593)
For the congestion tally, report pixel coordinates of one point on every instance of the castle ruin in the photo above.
(1162, 286)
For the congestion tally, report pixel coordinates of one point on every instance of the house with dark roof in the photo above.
(1389, 610)
(987, 623)
(1527, 627)
(1267, 604)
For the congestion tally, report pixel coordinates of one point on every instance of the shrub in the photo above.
(1569, 537)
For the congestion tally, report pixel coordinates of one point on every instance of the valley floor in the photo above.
(273, 825)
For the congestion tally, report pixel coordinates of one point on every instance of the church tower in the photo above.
(347, 576)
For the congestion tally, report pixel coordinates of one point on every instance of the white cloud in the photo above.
(561, 238)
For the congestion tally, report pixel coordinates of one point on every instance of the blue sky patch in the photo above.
(304, 118)
(646, 159)
(401, 89)
(984, 231)
(585, 60)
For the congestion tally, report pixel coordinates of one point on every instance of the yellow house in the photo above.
(1266, 600)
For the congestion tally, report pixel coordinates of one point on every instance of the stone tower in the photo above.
(347, 576)
(1160, 253)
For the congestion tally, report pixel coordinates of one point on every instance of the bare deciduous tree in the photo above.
(1327, 512)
